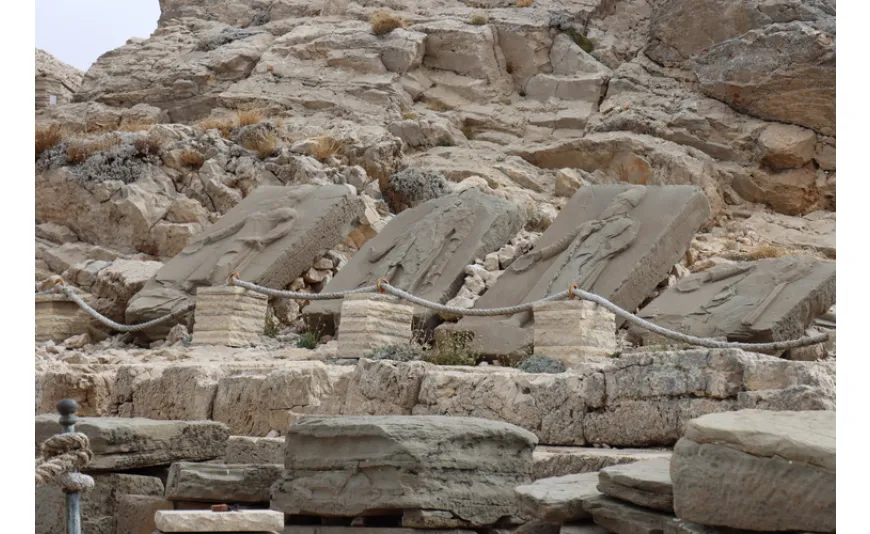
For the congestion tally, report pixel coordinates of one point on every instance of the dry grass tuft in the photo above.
(49, 136)
(224, 125)
(192, 158)
(79, 150)
(135, 126)
(263, 145)
(409, 115)
(326, 147)
(437, 105)
(478, 18)
(384, 22)
(524, 3)
(249, 117)
(148, 146)
(758, 253)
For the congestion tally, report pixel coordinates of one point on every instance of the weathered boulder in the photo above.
(122, 444)
(782, 72)
(785, 146)
(758, 470)
(346, 466)
(618, 516)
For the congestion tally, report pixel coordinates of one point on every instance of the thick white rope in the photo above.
(384, 287)
(60, 456)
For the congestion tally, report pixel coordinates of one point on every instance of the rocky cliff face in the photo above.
(50, 66)
(525, 100)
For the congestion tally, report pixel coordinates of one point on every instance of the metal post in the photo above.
(67, 409)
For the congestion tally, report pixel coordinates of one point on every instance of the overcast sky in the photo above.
(79, 31)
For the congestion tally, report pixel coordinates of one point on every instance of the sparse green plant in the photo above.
(478, 18)
(309, 338)
(541, 364)
(384, 22)
(581, 40)
(455, 350)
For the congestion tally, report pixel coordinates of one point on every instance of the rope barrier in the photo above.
(62, 454)
(383, 286)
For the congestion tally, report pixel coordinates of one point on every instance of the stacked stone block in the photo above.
(574, 331)
(58, 318)
(229, 316)
(369, 322)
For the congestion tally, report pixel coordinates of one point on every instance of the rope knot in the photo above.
(62, 454)
(571, 289)
(380, 285)
(231, 279)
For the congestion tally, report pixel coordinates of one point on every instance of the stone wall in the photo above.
(641, 400)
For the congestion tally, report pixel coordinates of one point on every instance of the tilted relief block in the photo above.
(617, 241)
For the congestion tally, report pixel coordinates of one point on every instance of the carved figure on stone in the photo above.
(244, 240)
(765, 300)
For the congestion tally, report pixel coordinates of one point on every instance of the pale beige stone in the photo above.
(574, 331)
(369, 322)
(208, 521)
(58, 318)
(249, 450)
(230, 316)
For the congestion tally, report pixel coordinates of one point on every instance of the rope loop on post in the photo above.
(380, 285)
(62, 454)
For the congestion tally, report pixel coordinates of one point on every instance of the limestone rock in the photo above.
(725, 467)
(559, 499)
(56, 233)
(759, 72)
(207, 521)
(568, 182)
(221, 482)
(786, 146)
(559, 461)
(617, 516)
(435, 463)
(817, 233)
(371, 322)
(58, 318)
(646, 483)
(424, 250)
(135, 513)
(792, 192)
(122, 444)
(229, 316)
(248, 450)
(269, 238)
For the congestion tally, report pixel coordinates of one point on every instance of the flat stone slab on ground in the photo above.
(350, 466)
(758, 470)
(189, 481)
(270, 238)
(208, 521)
(550, 461)
(617, 241)
(558, 499)
(424, 250)
(646, 483)
(623, 518)
(753, 302)
(121, 444)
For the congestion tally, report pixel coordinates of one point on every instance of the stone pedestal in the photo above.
(574, 331)
(58, 318)
(229, 316)
(371, 321)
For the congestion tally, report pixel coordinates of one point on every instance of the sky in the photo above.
(77, 32)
